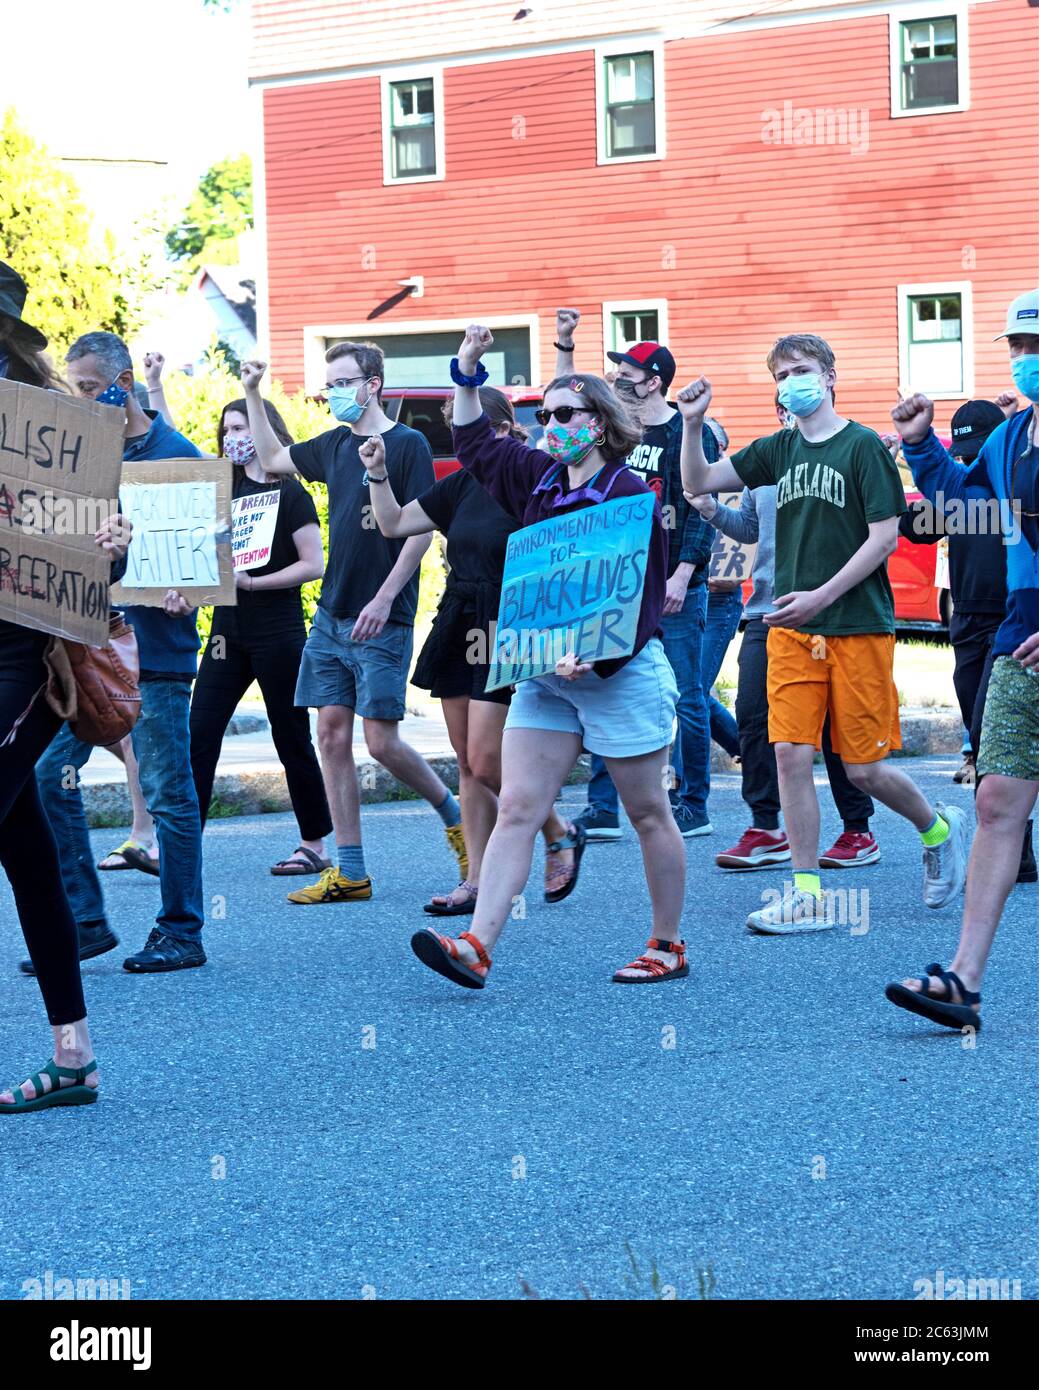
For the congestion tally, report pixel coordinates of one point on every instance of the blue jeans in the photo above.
(57, 775)
(683, 634)
(723, 619)
(161, 742)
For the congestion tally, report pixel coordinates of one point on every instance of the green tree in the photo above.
(76, 283)
(219, 210)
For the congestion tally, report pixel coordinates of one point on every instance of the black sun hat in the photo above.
(12, 297)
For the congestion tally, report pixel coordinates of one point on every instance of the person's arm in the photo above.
(392, 519)
(740, 525)
(272, 453)
(310, 565)
(374, 616)
(934, 470)
(153, 365)
(1007, 402)
(507, 468)
(919, 525)
(566, 325)
(1028, 653)
(697, 474)
(795, 609)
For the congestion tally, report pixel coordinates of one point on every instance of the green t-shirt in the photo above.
(826, 496)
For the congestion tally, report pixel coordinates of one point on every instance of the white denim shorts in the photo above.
(629, 713)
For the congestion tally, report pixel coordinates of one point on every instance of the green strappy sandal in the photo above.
(79, 1093)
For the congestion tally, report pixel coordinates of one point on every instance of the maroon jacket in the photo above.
(531, 487)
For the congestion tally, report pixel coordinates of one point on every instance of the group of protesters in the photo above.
(821, 497)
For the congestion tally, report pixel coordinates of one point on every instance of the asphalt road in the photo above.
(316, 1115)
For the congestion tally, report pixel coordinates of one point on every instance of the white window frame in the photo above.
(932, 9)
(390, 79)
(632, 306)
(613, 50)
(965, 289)
(315, 337)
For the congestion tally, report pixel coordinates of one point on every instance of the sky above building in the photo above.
(132, 79)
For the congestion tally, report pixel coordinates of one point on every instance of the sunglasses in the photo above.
(563, 413)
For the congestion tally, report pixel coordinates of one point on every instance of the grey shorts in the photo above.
(368, 677)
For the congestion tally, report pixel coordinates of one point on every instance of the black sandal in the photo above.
(576, 841)
(295, 868)
(938, 1008)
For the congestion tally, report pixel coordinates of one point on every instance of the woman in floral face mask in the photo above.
(262, 638)
(622, 708)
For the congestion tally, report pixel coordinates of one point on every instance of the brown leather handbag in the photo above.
(95, 688)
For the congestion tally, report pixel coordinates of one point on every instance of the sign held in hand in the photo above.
(572, 584)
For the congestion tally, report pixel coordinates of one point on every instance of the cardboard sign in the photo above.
(60, 460)
(730, 559)
(254, 518)
(572, 584)
(181, 514)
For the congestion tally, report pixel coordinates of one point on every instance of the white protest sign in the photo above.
(181, 514)
(254, 518)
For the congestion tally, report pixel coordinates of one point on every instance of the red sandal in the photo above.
(440, 953)
(656, 969)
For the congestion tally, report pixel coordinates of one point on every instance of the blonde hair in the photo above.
(621, 431)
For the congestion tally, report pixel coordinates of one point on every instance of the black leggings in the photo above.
(28, 850)
(222, 681)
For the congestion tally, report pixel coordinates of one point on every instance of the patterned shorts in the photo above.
(1010, 727)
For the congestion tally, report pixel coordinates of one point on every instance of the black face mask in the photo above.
(626, 389)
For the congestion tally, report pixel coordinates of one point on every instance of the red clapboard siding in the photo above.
(745, 240)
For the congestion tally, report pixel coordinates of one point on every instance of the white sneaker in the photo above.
(945, 865)
(796, 911)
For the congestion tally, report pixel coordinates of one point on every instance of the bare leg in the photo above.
(799, 803)
(897, 791)
(335, 734)
(400, 760)
(643, 793)
(478, 803)
(1003, 806)
(535, 763)
(72, 1048)
(142, 831)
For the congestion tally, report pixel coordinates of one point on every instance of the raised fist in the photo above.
(694, 399)
(566, 324)
(913, 418)
(153, 365)
(477, 341)
(373, 455)
(252, 373)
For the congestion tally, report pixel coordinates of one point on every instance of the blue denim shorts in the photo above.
(368, 677)
(623, 716)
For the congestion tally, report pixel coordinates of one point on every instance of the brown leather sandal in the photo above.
(440, 953)
(656, 970)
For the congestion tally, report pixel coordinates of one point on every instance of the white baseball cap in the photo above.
(1023, 315)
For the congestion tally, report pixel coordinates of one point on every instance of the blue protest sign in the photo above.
(572, 584)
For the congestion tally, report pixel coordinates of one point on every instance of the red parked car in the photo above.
(911, 569)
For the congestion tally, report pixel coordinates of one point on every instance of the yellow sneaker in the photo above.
(333, 887)
(456, 839)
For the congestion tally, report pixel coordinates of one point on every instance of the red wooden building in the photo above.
(709, 172)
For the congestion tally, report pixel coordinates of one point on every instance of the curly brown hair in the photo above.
(621, 430)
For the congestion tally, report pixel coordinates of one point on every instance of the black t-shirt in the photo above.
(476, 527)
(295, 510)
(359, 555)
(646, 460)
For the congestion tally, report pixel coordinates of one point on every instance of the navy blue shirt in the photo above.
(168, 646)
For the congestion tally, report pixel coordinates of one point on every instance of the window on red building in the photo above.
(412, 129)
(930, 63)
(630, 105)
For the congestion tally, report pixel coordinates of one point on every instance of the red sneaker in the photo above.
(757, 849)
(851, 849)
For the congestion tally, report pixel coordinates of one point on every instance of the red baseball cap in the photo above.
(653, 358)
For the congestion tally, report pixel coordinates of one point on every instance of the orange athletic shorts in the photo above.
(849, 678)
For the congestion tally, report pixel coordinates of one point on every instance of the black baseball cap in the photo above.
(653, 358)
(971, 426)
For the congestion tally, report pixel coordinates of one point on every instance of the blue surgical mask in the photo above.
(344, 405)
(802, 394)
(1025, 371)
(113, 395)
